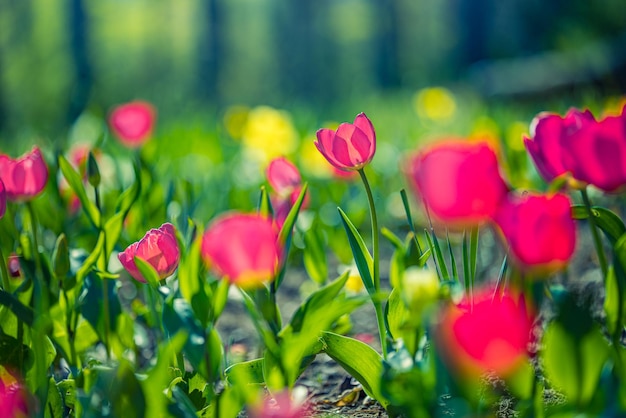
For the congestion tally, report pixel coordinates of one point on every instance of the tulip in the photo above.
(459, 182)
(13, 264)
(158, 247)
(13, 400)
(25, 177)
(351, 146)
(285, 179)
(282, 405)
(133, 122)
(539, 230)
(550, 137)
(596, 153)
(242, 248)
(490, 336)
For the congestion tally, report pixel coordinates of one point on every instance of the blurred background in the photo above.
(330, 58)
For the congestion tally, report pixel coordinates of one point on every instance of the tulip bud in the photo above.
(420, 288)
(93, 172)
(61, 257)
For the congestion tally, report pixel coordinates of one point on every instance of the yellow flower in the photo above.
(269, 133)
(435, 103)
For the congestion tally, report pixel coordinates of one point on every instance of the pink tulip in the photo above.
(539, 229)
(13, 264)
(596, 153)
(491, 336)
(351, 146)
(242, 248)
(13, 400)
(3, 199)
(285, 179)
(133, 122)
(158, 247)
(459, 182)
(281, 405)
(25, 177)
(550, 137)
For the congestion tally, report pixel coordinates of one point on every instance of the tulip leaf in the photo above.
(23, 312)
(130, 195)
(54, 401)
(314, 256)
(611, 224)
(91, 259)
(359, 359)
(572, 364)
(319, 300)
(245, 372)
(396, 314)
(76, 183)
(409, 218)
(265, 204)
(113, 229)
(147, 272)
(290, 221)
(362, 257)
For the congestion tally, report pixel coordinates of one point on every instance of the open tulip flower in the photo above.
(593, 152)
(242, 248)
(490, 336)
(459, 182)
(25, 177)
(539, 229)
(133, 122)
(351, 147)
(549, 137)
(158, 247)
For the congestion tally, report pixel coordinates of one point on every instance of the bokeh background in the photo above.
(326, 58)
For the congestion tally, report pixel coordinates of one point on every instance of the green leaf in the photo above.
(54, 402)
(113, 229)
(23, 312)
(409, 218)
(318, 301)
(265, 204)
(314, 256)
(611, 224)
(61, 257)
(76, 183)
(362, 257)
(245, 373)
(396, 314)
(574, 365)
(434, 247)
(290, 221)
(148, 272)
(130, 195)
(359, 359)
(91, 260)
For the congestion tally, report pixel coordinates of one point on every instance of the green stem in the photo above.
(42, 316)
(594, 233)
(375, 264)
(105, 285)
(6, 283)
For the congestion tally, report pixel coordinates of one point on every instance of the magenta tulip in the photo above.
(158, 247)
(488, 336)
(539, 230)
(133, 122)
(459, 182)
(282, 405)
(596, 154)
(550, 137)
(25, 177)
(14, 400)
(351, 146)
(242, 248)
(286, 182)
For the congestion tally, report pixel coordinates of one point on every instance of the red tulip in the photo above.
(158, 247)
(596, 153)
(539, 229)
(351, 146)
(133, 122)
(13, 400)
(285, 179)
(550, 137)
(282, 405)
(242, 248)
(458, 181)
(491, 336)
(25, 177)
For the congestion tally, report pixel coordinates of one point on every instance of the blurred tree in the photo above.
(83, 79)
(210, 50)
(387, 71)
